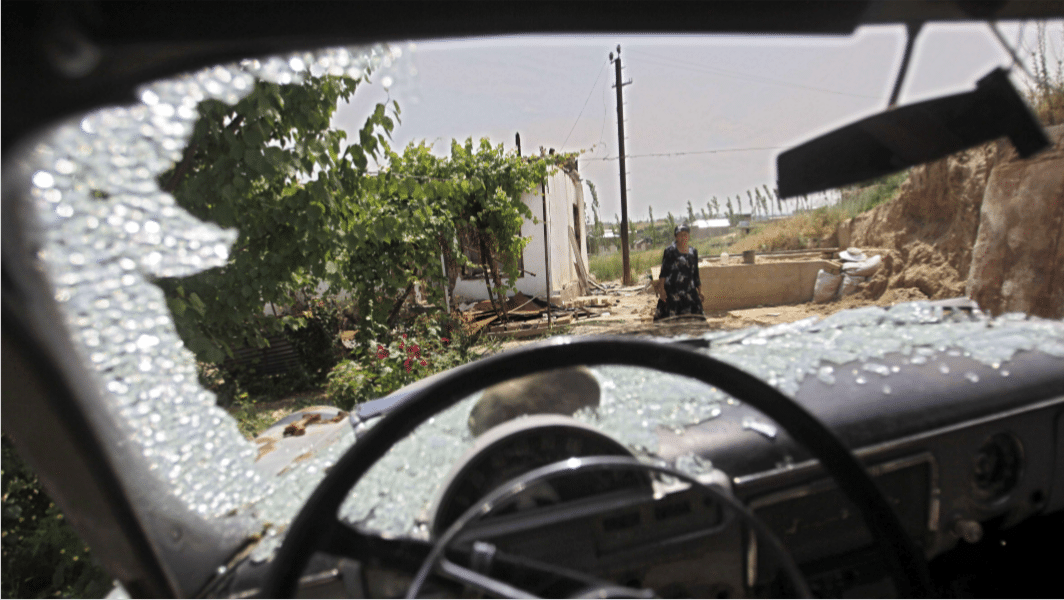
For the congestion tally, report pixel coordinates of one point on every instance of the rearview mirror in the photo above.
(911, 135)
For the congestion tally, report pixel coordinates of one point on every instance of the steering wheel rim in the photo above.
(316, 524)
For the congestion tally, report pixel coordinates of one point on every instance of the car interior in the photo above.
(916, 450)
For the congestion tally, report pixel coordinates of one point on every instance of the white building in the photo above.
(567, 247)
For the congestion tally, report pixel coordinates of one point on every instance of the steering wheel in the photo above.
(317, 527)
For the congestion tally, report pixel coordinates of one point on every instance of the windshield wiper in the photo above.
(906, 136)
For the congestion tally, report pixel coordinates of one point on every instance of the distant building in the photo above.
(710, 223)
(712, 227)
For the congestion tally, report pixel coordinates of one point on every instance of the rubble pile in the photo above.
(529, 316)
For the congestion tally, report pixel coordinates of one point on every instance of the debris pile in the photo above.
(530, 316)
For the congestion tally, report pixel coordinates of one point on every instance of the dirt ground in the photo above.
(632, 312)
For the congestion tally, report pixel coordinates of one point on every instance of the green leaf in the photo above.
(197, 303)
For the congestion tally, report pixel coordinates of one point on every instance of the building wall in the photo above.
(564, 192)
(732, 287)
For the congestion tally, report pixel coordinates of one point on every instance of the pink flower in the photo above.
(424, 363)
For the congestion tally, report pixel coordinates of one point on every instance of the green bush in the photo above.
(318, 339)
(430, 344)
(42, 555)
(315, 335)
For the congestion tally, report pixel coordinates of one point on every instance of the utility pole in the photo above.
(546, 253)
(624, 182)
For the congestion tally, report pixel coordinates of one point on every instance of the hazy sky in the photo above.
(712, 97)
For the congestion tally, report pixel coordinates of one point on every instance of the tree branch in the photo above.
(392, 316)
(185, 165)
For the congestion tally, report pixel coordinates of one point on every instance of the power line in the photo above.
(711, 70)
(593, 86)
(1012, 52)
(602, 129)
(671, 154)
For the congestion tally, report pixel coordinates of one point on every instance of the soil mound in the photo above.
(932, 226)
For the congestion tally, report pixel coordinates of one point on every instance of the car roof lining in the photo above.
(128, 44)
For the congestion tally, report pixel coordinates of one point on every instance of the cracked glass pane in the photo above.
(111, 231)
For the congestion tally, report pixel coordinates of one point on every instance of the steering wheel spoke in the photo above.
(480, 581)
(486, 559)
(437, 560)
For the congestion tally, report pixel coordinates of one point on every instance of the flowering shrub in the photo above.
(427, 347)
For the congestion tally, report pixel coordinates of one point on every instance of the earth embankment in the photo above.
(981, 223)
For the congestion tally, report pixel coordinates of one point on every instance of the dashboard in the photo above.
(962, 449)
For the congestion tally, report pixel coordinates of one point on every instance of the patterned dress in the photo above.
(679, 274)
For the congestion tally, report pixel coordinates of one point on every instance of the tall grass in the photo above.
(871, 195)
(607, 267)
(817, 228)
(1046, 93)
(808, 229)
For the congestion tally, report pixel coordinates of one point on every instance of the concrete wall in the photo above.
(563, 194)
(729, 287)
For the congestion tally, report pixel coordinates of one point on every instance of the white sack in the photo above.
(827, 285)
(850, 284)
(864, 268)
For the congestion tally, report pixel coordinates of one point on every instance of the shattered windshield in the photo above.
(124, 225)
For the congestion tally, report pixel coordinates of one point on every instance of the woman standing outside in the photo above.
(681, 289)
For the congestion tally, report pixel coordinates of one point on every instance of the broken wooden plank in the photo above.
(475, 327)
(520, 334)
(580, 270)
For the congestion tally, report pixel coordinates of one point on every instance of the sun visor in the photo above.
(911, 135)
